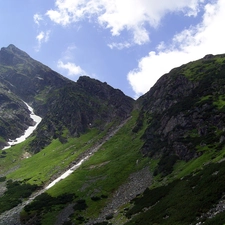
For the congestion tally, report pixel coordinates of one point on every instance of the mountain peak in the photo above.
(17, 51)
(12, 46)
(12, 55)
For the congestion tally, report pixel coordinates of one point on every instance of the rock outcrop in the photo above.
(185, 112)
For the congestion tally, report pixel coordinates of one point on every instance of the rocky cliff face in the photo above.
(86, 104)
(27, 78)
(185, 111)
(14, 116)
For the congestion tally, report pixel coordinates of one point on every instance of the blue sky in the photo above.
(127, 43)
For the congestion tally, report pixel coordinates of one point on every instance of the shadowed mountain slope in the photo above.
(185, 109)
(63, 104)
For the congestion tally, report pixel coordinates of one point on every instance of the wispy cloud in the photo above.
(72, 69)
(69, 53)
(42, 37)
(188, 45)
(38, 18)
(117, 15)
(120, 45)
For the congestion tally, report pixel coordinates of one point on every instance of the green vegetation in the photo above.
(181, 201)
(199, 69)
(16, 192)
(55, 158)
(103, 173)
(2, 179)
(12, 157)
(45, 201)
(165, 165)
(219, 219)
(220, 102)
(46, 204)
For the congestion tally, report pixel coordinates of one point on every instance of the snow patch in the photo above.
(29, 131)
(67, 173)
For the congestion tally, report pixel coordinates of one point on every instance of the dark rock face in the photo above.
(14, 116)
(27, 78)
(185, 111)
(115, 99)
(79, 106)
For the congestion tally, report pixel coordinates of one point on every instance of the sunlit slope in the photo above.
(99, 177)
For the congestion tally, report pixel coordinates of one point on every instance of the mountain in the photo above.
(156, 160)
(184, 113)
(187, 111)
(22, 79)
(63, 104)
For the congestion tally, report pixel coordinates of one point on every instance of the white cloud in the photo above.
(193, 43)
(119, 45)
(42, 37)
(72, 69)
(69, 53)
(120, 15)
(37, 18)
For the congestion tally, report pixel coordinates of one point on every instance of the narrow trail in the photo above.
(11, 217)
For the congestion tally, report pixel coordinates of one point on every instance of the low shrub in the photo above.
(80, 205)
(46, 201)
(16, 191)
(2, 179)
(183, 200)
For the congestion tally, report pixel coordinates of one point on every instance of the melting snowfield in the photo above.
(67, 173)
(29, 131)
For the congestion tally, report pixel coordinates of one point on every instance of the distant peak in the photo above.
(11, 46)
(208, 56)
(88, 81)
(12, 55)
(12, 49)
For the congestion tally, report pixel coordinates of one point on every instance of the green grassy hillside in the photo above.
(164, 165)
(94, 182)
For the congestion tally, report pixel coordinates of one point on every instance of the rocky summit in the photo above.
(101, 157)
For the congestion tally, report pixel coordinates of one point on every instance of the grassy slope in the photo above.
(101, 175)
(103, 172)
(182, 201)
(53, 159)
(12, 157)
(38, 169)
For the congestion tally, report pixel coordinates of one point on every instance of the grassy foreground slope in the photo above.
(94, 182)
(92, 185)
